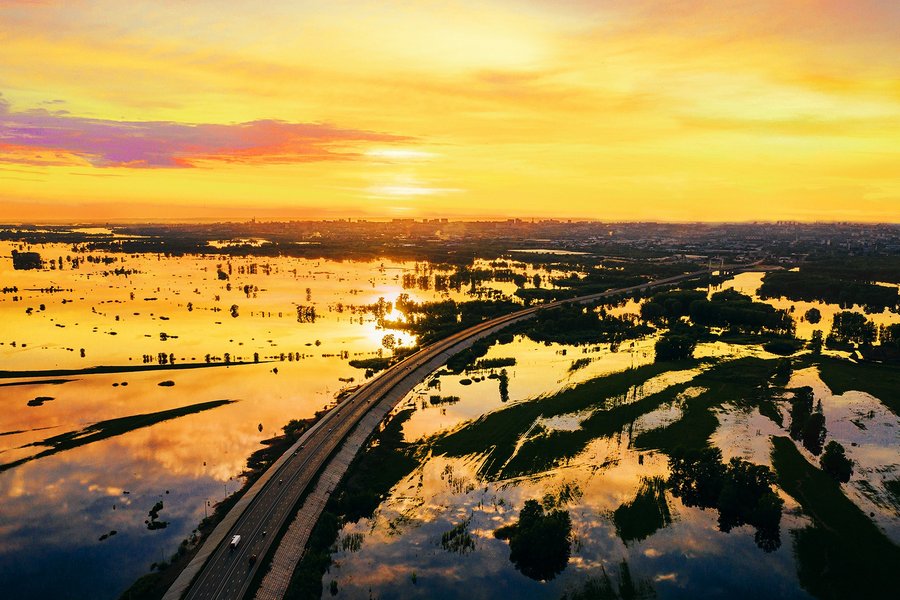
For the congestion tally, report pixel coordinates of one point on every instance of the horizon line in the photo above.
(424, 220)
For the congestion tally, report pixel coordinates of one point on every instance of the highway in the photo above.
(227, 572)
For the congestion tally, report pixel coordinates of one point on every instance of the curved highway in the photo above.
(228, 572)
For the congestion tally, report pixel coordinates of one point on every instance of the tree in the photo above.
(741, 491)
(672, 305)
(835, 462)
(675, 346)
(814, 432)
(815, 343)
(652, 311)
(504, 385)
(389, 341)
(539, 542)
(890, 335)
(813, 315)
(801, 409)
(851, 327)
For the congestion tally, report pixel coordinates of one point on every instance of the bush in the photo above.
(782, 347)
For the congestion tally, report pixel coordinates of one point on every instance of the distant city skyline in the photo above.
(638, 110)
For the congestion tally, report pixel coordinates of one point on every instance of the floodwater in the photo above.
(748, 283)
(62, 501)
(398, 553)
(126, 311)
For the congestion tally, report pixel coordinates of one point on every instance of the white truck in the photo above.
(235, 541)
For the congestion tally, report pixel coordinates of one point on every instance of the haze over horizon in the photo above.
(614, 111)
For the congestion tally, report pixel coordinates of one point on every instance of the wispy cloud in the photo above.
(44, 137)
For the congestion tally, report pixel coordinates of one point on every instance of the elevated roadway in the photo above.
(221, 572)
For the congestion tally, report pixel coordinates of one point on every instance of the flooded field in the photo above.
(136, 386)
(589, 430)
(85, 456)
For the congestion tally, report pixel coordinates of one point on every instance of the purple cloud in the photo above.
(39, 136)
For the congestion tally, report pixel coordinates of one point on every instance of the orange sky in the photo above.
(616, 109)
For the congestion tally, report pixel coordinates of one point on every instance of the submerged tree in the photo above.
(814, 432)
(807, 425)
(801, 408)
(835, 462)
(741, 491)
(675, 346)
(539, 543)
(504, 385)
(851, 327)
(815, 343)
(647, 513)
(389, 342)
(783, 369)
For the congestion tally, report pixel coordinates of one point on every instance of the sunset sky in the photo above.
(603, 109)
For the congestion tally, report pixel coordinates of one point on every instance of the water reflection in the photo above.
(689, 558)
(95, 308)
(56, 508)
(696, 552)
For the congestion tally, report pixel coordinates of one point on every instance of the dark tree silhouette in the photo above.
(813, 315)
(504, 385)
(835, 462)
(851, 327)
(814, 432)
(675, 346)
(539, 543)
(741, 491)
(815, 343)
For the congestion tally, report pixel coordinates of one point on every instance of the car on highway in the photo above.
(235, 540)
